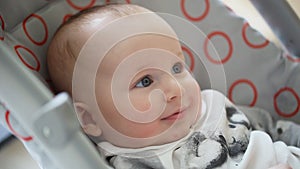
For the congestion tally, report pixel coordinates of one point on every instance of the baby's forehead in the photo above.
(142, 50)
(111, 38)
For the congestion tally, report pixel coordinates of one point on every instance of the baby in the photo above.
(124, 67)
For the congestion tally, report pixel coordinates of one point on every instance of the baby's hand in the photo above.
(281, 166)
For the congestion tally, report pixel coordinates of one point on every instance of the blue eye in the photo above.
(144, 82)
(177, 68)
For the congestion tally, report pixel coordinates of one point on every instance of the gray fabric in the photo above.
(281, 130)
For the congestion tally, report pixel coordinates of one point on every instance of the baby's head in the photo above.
(124, 67)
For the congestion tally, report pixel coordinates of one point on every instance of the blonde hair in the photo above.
(65, 47)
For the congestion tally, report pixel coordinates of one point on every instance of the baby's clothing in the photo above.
(221, 138)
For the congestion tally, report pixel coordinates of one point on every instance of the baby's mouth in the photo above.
(177, 115)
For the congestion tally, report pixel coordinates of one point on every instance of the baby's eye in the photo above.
(144, 82)
(177, 68)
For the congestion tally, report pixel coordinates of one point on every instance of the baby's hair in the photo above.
(79, 14)
(65, 45)
(114, 9)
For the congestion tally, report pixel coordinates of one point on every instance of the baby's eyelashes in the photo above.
(178, 68)
(144, 82)
(147, 80)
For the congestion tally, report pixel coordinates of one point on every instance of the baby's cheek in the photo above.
(146, 130)
(140, 102)
(191, 85)
(193, 92)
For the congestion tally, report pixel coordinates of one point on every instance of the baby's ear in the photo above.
(86, 120)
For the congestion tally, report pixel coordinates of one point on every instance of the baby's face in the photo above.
(144, 90)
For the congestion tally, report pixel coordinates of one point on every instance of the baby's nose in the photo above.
(172, 88)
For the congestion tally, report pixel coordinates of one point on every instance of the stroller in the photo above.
(256, 72)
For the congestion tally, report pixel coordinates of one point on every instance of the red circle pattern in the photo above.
(227, 38)
(66, 17)
(248, 82)
(255, 46)
(191, 57)
(293, 59)
(38, 65)
(283, 114)
(2, 27)
(92, 2)
(127, 1)
(7, 115)
(185, 49)
(195, 19)
(43, 41)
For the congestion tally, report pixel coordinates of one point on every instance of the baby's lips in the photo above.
(177, 114)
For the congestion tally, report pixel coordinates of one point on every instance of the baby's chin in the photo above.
(152, 141)
(173, 136)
